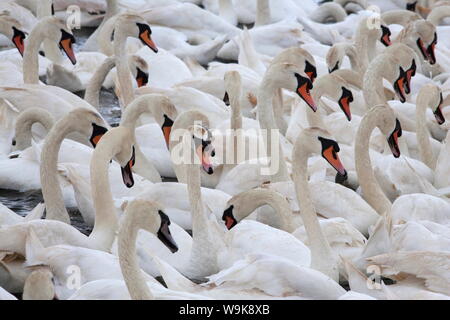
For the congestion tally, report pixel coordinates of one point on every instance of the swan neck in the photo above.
(51, 189)
(31, 56)
(92, 95)
(132, 274)
(263, 13)
(105, 213)
(423, 134)
(371, 190)
(321, 255)
(125, 81)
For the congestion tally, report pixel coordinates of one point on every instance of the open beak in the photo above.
(393, 139)
(97, 134)
(67, 40)
(167, 129)
(146, 38)
(344, 102)
(399, 86)
(386, 36)
(431, 50)
(141, 78)
(304, 85)
(164, 234)
(18, 40)
(203, 154)
(127, 174)
(438, 113)
(310, 71)
(228, 218)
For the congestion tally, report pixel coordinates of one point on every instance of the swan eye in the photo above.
(226, 99)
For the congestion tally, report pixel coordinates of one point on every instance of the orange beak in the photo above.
(344, 102)
(66, 44)
(304, 85)
(97, 134)
(431, 50)
(147, 40)
(386, 37)
(167, 129)
(332, 157)
(18, 40)
(141, 78)
(393, 139)
(399, 86)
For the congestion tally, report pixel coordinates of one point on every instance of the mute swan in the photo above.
(156, 153)
(24, 123)
(409, 288)
(410, 206)
(148, 216)
(191, 20)
(343, 238)
(52, 232)
(431, 267)
(129, 25)
(82, 122)
(11, 28)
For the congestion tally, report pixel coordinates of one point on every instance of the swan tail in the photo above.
(36, 213)
(206, 52)
(173, 279)
(33, 249)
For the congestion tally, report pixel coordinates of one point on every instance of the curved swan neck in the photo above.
(266, 119)
(129, 264)
(371, 190)
(438, 13)
(51, 190)
(104, 36)
(373, 89)
(125, 81)
(106, 221)
(142, 104)
(251, 200)
(52, 52)
(423, 134)
(31, 56)
(24, 124)
(92, 94)
(321, 253)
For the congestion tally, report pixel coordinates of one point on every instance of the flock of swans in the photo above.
(347, 100)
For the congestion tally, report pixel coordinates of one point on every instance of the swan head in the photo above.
(133, 25)
(12, 29)
(318, 141)
(389, 125)
(191, 142)
(436, 105)
(89, 123)
(425, 36)
(335, 56)
(204, 149)
(56, 29)
(338, 90)
(150, 216)
(139, 69)
(39, 285)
